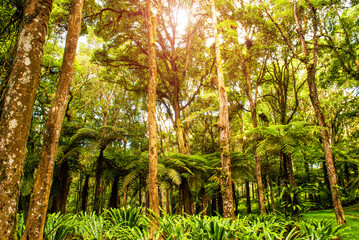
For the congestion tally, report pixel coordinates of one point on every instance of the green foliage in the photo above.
(290, 201)
(20, 228)
(90, 226)
(319, 229)
(285, 138)
(127, 217)
(58, 227)
(132, 223)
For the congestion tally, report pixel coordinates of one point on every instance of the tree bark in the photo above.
(99, 171)
(187, 203)
(85, 193)
(64, 185)
(39, 202)
(16, 114)
(223, 124)
(204, 202)
(152, 123)
(114, 193)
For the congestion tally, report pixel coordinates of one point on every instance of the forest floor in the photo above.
(352, 217)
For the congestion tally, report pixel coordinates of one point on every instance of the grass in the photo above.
(351, 215)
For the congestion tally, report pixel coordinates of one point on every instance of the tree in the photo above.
(311, 66)
(309, 57)
(223, 125)
(152, 122)
(39, 201)
(100, 139)
(17, 110)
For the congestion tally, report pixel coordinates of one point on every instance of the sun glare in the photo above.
(181, 20)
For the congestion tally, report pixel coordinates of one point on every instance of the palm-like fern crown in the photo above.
(285, 138)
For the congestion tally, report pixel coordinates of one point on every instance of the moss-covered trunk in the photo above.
(39, 202)
(16, 114)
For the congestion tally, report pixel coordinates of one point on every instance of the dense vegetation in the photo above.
(259, 118)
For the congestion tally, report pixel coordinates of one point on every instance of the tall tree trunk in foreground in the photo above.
(16, 114)
(152, 124)
(311, 66)
(39, 202)
(225, 176)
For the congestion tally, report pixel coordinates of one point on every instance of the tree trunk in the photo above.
(204, 202)
(253, 109)
(152, 122)
(311, 66)
(64, 186)
(223, 124)
(248, 197)
(187, 203)
(213, 206)
(99, 172)
(16, 114)
(85, 193)
(256, 156)
(168, 209)
(125, 197)
(271, 193)
(39, 202)
(114, 193)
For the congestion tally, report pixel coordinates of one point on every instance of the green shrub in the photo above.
(131, 217)
(319, 229)
(58, 227)
(90, 226)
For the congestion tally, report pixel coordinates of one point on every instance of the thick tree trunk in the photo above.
(17, 110)
(39, 202)
(288, 169)
(223, 124)
(152, 123)
(187, 203)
